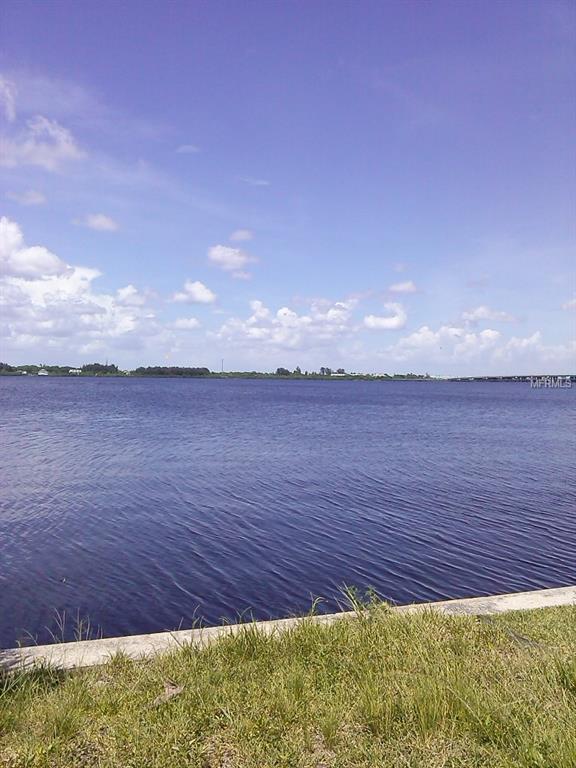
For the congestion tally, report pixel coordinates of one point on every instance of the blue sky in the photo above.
(382, 186)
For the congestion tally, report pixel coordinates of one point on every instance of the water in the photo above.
(144, 503)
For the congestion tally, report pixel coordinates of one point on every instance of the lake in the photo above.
(146, 504)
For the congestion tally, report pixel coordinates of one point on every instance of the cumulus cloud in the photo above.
(8, 98)
(188, 149)
(232, 260)
(448, 341)
(485, 313)
(522, 343)
(29, 197)
(195, 292)
(533, 351)
(241, 235)
(325, 321)
(49, 304)
(130, 296)
(19, 260)
(406, 287)
(464, 350)
(66, 307)
(43, 142)
(98, 221)
(186, 324)
(393, 321)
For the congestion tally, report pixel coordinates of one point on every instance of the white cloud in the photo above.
(94, 172)
(445, 343)
(485, 313)
(241, 235)
(8, 98)
(130, 296)
(255, 182)
(519, 343)
(29, 197)
(406, 287)
(391, 322)
(186, 324)
(98, 221)
(532, 351)
(195, 293)
(324, 322)
(49, 304)
(43, 142)
(65, 308)
(570, 304)
(188, 149)
(19, 260)
(463, 351)
(231, 260)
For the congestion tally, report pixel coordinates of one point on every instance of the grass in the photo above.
(385, 689)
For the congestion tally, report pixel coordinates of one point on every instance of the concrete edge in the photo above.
(90, 653)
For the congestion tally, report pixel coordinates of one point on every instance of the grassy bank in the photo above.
(383, 690)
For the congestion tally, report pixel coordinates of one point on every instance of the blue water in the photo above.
(146, 503)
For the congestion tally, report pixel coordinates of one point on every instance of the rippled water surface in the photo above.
(145, 503)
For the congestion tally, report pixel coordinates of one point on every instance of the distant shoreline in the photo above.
(568, 378)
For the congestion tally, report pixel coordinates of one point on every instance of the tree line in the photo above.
(298, 372)
(161, 370)
(90, 369)
(110, 369)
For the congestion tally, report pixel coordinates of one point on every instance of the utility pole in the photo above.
(222, 365)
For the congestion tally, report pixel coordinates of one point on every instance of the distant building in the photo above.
(42, 372)
(74, 372)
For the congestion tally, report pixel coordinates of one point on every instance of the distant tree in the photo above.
(161, 370)
(297, 371)
(100, 368)
(282, 372)
(340, 370)
(325, 371)
(5, 368)
(57, 370)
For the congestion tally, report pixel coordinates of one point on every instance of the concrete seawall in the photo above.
(91, 653)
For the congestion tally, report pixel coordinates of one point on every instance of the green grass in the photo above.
(382, 690)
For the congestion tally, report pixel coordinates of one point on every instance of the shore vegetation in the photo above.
(382, 690)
